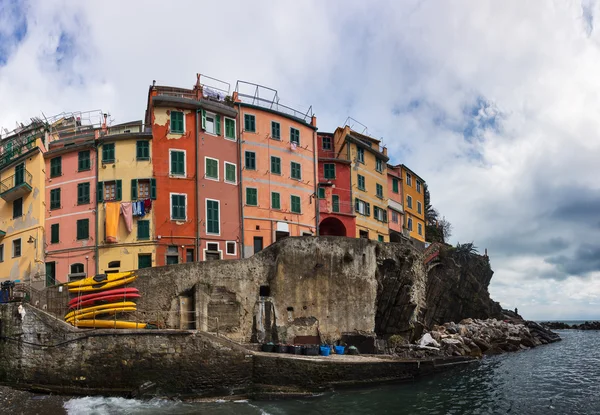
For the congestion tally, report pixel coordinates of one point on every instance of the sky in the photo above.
(496, 104)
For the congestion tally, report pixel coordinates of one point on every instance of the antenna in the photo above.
(365, 130)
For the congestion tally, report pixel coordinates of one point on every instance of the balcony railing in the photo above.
(326, 206)
(16, 185)
(17, 149)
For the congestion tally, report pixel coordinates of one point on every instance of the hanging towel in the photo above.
(141, 208)
(148, 205)
(112, 222)
(134, 209)
(127, 212)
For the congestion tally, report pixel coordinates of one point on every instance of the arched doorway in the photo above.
(395, 237)
(332, 227)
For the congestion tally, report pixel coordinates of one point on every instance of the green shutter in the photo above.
(321, 193)
(395, 185)
(250, 160)
(143, 230)
(275, 200)
(83, 229)
(296, 171)
(54, 234)
(230, 173)
(177, 163)
(212, 216)
(275, 165)
(230, 128)
(203, 119)
(144, 261)
(251, 196)
(368, 209)
(153, 189)
(295, 204)
(100, 191)
(119, 190)
(335, 203)
(134, 191)
(218, 124)
(212, 169)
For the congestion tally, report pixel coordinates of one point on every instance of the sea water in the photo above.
(560, 378)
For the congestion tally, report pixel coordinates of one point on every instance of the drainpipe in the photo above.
(96, 251)
(240, 184)
(316, 170)
(197, 191)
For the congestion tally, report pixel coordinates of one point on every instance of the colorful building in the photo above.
(414, 206)
(278, 168)
(126, 185)
(395, 204)
(70, 189)
(196, 159)
(22, 204)
(336, 208)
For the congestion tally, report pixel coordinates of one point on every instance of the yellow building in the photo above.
(22, 204)
(125, 176)
(414, 203)
(368, 181)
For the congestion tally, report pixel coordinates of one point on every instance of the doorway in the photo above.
(258, 244)
(279, 235)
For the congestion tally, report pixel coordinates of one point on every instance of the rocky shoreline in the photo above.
(559, 325)
(475, 338)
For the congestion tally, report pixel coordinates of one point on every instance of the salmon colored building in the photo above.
(336, 210)
(278, 168)
(395, 204)
(196, 157)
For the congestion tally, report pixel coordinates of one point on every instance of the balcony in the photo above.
(16, 186)
(2, 234)
(326, 206)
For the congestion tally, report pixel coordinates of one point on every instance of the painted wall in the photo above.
(394, 174)
(125, 168)
(29, 266)
(180, 234)
(262, 221)
(418, 196)
(69, 250)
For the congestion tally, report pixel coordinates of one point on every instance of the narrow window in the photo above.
(408, 179)
(83, 162)
(295, 204)
(144, 261)
(275, 165)
(56, 166)
(394, 216)
(211, 168)
(249, 123)
(178, 207)
(321, 193)
(379, 189)
(230, 247)
(329, 170)
(143, 229)
(172, 255)
(212, 217)
(2, 253)
(251, 196)
(409, 202)
(420, 228)
(83, 193)
(294, 135)
(230, 128)
(54, 233)
(418, 186)
(83, 229)
(360, 155)
(16, 248)
(361, 182)
(142, 150)
(419, 207)
(275, 200)
(395, 185)
(189, 255)
(379, 165)
(380, 238)
(18, 208)
(275, 130)
(230, 173)
(326, 143)
(177, 122)
(108, 153)
(296, 171)
(177, 163)
(55, 199)
(335, 203)
(410, 228)
(250, 160)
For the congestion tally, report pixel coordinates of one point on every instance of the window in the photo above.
(361, 182)
(409, 225)
(19, 174)
(114, 264)
(361, 207)
(211, 123)
(144, 261)
(275, 130)
(18, 208)
(177, 163)
(230, 173)
(55, 198)
(143, 189)
(418, 186)
(329, 170)
(275, 200)
(50, 273)
(249, 123)
(394, 216)
(294, 135)
(250, 160)
(172, 255)
(83, 193)
(212, 217)
(143, 229)
(379, 214)
(395, 185)
(2, 253)
(211, 168)
(142, 150)
(16, 248)
(77, 268)
(326, 143)
(379, 165)
(409, 202)
(178, 206)
(360, 155)
(54, 233)
(275, 165)
(379, 189)
(177, 125)
(419, 207)
(189, 255)
(321, 193)
(251, 196)
(380, 238)
(296, 171)
(109, 191)
(420, 228)
(108, 153)
(56, 166)
(335, 203)
(83, 162)
(229, 128)
(83, 229)
(408, 179)
(212, 252)
(295, 204)
(230, 248)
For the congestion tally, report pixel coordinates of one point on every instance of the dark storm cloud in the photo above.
(585, 259)
(577, 205)
(525, 244)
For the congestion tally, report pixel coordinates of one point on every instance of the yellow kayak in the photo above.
(100, 307)
(100, 279)
(100, 312)
(102, 286)
(111, 324)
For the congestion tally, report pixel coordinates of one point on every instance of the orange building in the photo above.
(414, 206)
(278, 168)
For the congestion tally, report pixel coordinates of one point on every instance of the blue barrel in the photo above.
(339, 349)
(325, 350)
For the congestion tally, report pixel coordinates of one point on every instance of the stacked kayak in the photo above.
(99, 299)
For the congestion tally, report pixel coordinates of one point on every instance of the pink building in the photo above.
(395, 204)
(70, 236)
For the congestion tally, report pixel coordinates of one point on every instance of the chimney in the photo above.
(313, 121)
(198, 87)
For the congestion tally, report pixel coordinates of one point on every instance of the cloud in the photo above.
(493, 103)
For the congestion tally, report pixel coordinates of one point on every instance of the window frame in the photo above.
(171, 131)
(419, 207)
(321, 194)
(278, 200)
(20, 248)
(292, 129)
(378, 165)
(394, 216)
(227, 244)
(89, 198)
(335, 201)
(207, 114)
(80, 160)
(409, 223)
(299, 165)
(137, 235)
(55, 166)
(358, 182)
(418, 185)
(292, 197)
(395, 185)
(225, 119)
(184, 219)
(206, 176)
(218, 216)
(325, 169)
(1, 252)
(409, 201)
(379, 190)
(177, 175)
(55, 191)
(329, 146)
(360, 154)
(52, 233)
(420, 229)
(255, 195)
(145, 255)
(225, 164)
(253, 130)
(278, 137)
(105, 149)
(246, 153)
(15, 216)
(408, 179)
(142, 145)
(82, 221)
(273, 158)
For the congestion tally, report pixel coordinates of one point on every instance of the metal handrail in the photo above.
(16, 180)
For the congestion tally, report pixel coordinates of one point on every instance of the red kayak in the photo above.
(116, 291)
(104, 299)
